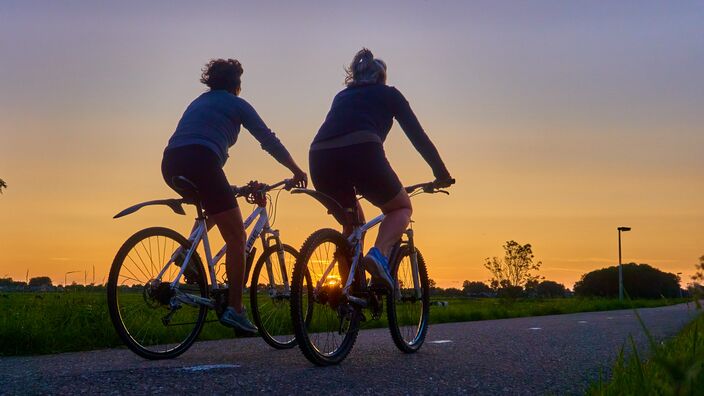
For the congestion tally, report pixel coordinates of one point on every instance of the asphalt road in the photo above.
(557, 354)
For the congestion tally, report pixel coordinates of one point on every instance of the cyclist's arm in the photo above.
(411, 126)
(269, 142)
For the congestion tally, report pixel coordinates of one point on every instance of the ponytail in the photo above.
(364, 69)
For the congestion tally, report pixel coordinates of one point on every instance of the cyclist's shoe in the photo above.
(378, 265)
(238, 321)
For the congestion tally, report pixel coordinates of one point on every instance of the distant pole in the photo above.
(679, 279)
(620, 265)
(66, 276)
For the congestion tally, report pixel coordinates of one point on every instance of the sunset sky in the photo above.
(560, 121)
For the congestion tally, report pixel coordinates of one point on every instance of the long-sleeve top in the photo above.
(372, 108)
(213, 120)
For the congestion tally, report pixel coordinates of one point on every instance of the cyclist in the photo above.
(198, 150)
(347, 154)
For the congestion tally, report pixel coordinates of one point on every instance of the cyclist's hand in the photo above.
(300, 179)
(444, 182)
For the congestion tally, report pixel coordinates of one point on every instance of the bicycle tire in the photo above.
(408, 338)
(278, 334)
(304, 323)
(150, 347)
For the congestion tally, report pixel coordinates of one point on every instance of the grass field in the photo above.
(41, 323)
(673, 368)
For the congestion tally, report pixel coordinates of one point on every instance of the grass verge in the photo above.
(675, 367)
(42, 323)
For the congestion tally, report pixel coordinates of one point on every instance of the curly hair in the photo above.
(222, 74)
(365, 69)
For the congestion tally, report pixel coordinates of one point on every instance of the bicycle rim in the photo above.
(270, 296)
(408, 312)
(139, 302)
(326, 332)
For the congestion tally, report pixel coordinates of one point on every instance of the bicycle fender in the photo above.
(173, 204)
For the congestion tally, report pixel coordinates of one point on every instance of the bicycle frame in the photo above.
(355, 240)
(261, 229)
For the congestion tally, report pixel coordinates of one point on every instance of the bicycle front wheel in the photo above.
(325, 323)
(408, 309)
(270, 296)
(140, 303)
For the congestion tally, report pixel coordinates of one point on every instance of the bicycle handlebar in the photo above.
(431, 187)
(256, 187)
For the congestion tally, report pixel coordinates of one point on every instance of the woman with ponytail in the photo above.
(347, 154)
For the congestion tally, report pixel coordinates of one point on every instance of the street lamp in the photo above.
(620, 266)
(67, 274)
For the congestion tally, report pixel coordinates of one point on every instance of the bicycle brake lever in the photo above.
(443, 191)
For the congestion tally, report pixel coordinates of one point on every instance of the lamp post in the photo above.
(620, 265)
(66, 276)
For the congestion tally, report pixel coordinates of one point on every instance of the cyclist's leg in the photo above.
(397, 217)
(329, 170)
(377, 181)
(232, 230)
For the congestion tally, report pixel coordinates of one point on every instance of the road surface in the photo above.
(556, 354)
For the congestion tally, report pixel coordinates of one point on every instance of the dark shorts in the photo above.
(359, 169)
(200, 165)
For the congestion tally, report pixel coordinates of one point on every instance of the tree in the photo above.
(2, 185)
(514, 269)
(40, 281)
(550, 289)
(639, 281)
(474, 288)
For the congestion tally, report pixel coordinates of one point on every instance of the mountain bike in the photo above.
(330, 290)
(158, 292)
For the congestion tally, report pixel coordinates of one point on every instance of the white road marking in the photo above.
(581, 321)
(609, 317)
(440, 341)
(535, 328)
(206, 367)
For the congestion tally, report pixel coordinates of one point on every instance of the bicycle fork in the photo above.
(414, 262)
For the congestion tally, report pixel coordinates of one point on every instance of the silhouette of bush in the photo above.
(474, 288)
(550, 289)
(639, 281)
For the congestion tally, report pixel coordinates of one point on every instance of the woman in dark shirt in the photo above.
(198, 151)
(347, 155)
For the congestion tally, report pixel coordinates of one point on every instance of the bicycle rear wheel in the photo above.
(325, 324)
(270, 296)
(139, 304)
(408, 312)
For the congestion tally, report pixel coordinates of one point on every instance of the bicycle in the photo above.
(158, 294)
(327, 303)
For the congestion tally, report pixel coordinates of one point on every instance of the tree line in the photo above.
(514, 275)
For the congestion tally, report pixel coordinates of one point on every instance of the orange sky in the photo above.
(560, 123)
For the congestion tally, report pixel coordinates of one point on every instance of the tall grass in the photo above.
(674, 368)
(40, 323)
